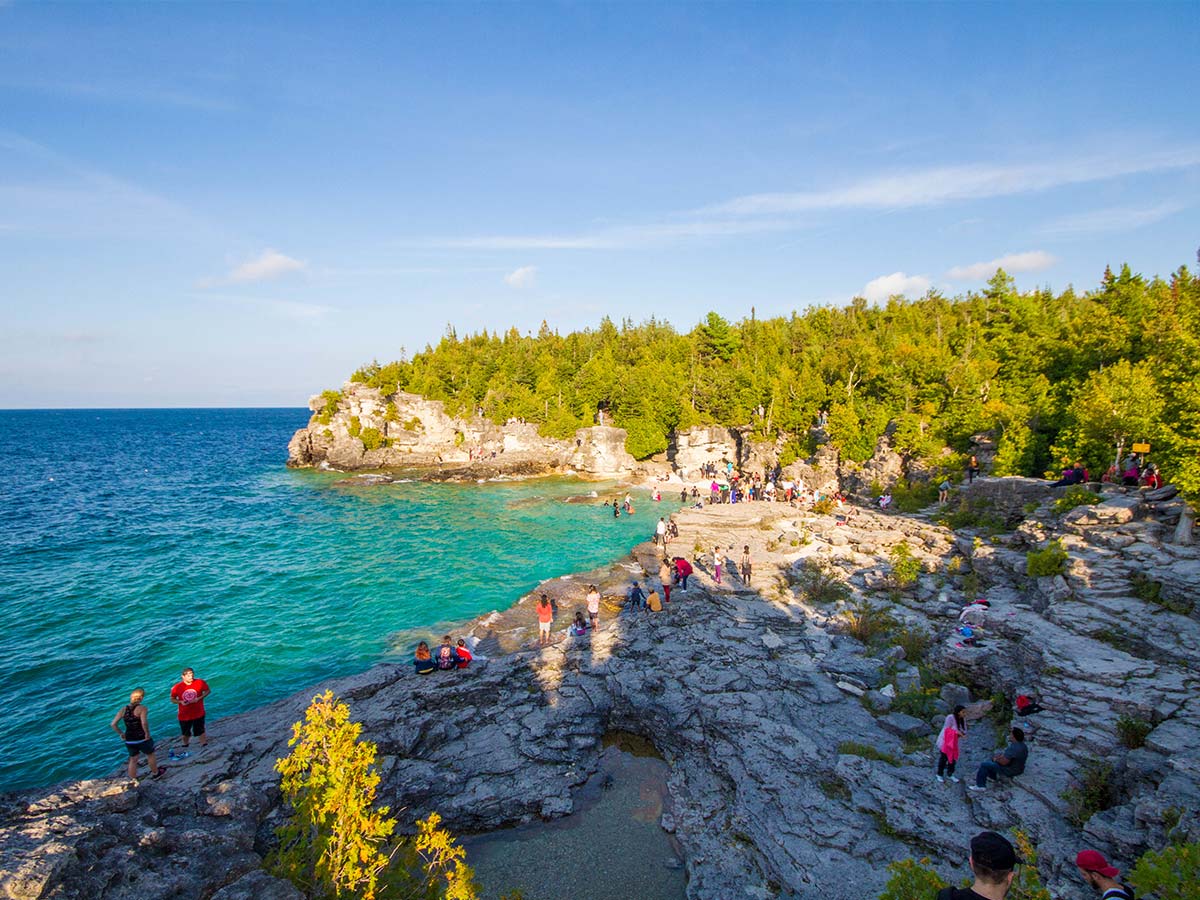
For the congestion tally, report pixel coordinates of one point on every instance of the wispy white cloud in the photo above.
(1030, 261)
(268, 265)
(775, 212)
(617, 237)
(52, 193)
(879, 289)
(117, 92)
(931, 187)
(287, 309)
(1115, 218)
(523, 277)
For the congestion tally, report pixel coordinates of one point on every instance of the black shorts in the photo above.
(146, 747)
(189, 727)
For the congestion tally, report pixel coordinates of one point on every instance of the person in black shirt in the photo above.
(992, 861)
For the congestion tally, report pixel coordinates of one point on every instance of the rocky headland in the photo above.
(801, 760)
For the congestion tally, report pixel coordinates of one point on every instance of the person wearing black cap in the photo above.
(992, 860)
(1101, 876)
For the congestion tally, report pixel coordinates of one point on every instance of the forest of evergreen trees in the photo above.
(1055, 376)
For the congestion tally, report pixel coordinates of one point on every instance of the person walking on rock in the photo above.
(972, 469)
(545, 614)
(992, 861)
(1010, 761)
(189, 696)
(746, 564)
(660, 531)
(664, 576)
(593, 606)
(136, 735)
(1100, 876)
(953, 729)
(717, 560)
(683, 569)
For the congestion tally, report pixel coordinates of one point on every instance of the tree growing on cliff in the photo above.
(337, 844)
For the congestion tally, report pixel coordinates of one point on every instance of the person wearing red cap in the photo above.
(1101, 876)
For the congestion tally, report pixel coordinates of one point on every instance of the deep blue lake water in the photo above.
(136, 542)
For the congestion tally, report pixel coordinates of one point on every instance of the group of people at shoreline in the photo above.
(448, 657)
(132, 722)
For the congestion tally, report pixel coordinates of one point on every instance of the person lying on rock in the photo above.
(1010, 761)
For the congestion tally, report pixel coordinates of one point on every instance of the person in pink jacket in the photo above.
(954, 728)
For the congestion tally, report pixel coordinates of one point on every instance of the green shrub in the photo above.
(915, 641)
(866, 751)
(331, 400)
(1050, 560)
(1147, 589)
(834, 788)
(824, 506)
(1169, 874)
(912, 496)
(371, 438)
(1030, 507)
(909, 879)
(819, 582)
(414, 424)
(1132, 731)
(1075, 495)
(974, 515)
(391, 413)
(867, 622)
(1094, 790)
(355, 426)
(905, 567)
(920, 703)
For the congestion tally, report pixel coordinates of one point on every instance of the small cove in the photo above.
(611, 847)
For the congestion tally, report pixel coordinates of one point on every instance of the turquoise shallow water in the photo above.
(136, 542)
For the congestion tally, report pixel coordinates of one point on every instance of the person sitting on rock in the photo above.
(579, 626)
(447, 658)
(1010, 761)
(423, 660)
(1100, 876)
(1151, 478)
(886, 500)
(992, 861)
(464, 655)
(653, 602)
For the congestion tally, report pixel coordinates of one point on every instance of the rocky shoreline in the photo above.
(758, 698)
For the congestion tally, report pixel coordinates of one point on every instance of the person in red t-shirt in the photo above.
(464, 655)
(189, 696)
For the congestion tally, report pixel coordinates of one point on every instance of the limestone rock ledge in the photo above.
(751, 692)
(409, 431)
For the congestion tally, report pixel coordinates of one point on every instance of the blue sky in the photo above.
(237, 204)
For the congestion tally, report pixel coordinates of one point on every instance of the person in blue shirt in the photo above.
(423, 660)
(637, 599)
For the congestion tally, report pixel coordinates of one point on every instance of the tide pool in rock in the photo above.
(612, 847)
(136, 542)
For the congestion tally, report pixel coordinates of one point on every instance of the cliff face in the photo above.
(363, 429)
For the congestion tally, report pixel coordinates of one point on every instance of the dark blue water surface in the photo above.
(136, 542)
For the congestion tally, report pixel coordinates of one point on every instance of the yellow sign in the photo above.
(1141, 448)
